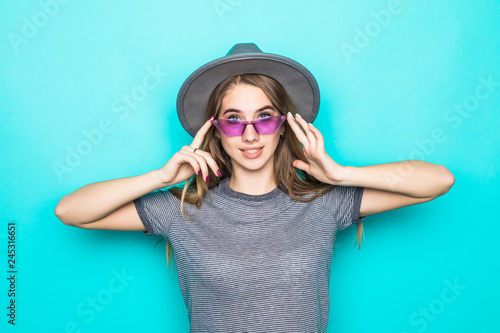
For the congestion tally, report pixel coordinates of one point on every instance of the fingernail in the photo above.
(298, 115)
(199, 172)
(206, 180)
(219, 173)
(211, 117)
(311, 124)
(290, 114)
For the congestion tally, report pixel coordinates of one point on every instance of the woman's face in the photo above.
(250, 151)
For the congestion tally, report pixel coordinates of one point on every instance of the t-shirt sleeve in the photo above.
(157, 211)
(344, 202)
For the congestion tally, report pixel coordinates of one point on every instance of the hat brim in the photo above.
(299, 83)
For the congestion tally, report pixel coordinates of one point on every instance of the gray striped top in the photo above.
(253, 263)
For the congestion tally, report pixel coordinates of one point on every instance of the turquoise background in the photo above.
(399, 80)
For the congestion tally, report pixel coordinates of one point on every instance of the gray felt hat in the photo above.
(246, 58)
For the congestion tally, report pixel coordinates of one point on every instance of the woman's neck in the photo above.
(253, 183)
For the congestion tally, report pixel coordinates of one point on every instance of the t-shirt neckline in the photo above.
(229, 192)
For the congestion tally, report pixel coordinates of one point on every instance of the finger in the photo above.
(188, 155)
(296, 129)
(189, 149)
(301, 165)
(203, 168)
(319, 137)
(309, 134)
(191, 160)
(200, 135)
(210, 161)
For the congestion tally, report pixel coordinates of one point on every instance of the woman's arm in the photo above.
(108, 204)
(95, 201)
(413, 178)
(386, 186)
(393, 185)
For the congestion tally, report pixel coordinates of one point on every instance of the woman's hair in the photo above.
(295, 182)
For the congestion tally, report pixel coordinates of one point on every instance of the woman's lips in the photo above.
(252, 153)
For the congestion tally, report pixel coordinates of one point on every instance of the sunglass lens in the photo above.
(231, 127)
(268, 125)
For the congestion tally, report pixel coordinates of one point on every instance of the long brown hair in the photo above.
(296, 183)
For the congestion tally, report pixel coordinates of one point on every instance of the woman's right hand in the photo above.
(185, 163)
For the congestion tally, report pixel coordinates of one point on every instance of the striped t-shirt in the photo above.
(253, 263)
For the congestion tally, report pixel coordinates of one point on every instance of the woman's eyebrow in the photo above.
(239, 111)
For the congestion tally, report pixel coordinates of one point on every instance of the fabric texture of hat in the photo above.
(246, 58)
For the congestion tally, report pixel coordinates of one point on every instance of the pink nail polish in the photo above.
(219, 173)
(211, 117)
(206, 180)
(199, 172)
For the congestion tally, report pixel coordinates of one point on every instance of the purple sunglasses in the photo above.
(235, 127)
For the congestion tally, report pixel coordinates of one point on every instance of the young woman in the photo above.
(252, 230)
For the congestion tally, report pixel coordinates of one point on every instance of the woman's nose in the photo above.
(250, 134)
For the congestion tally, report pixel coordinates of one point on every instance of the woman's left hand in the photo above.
(320, 165)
